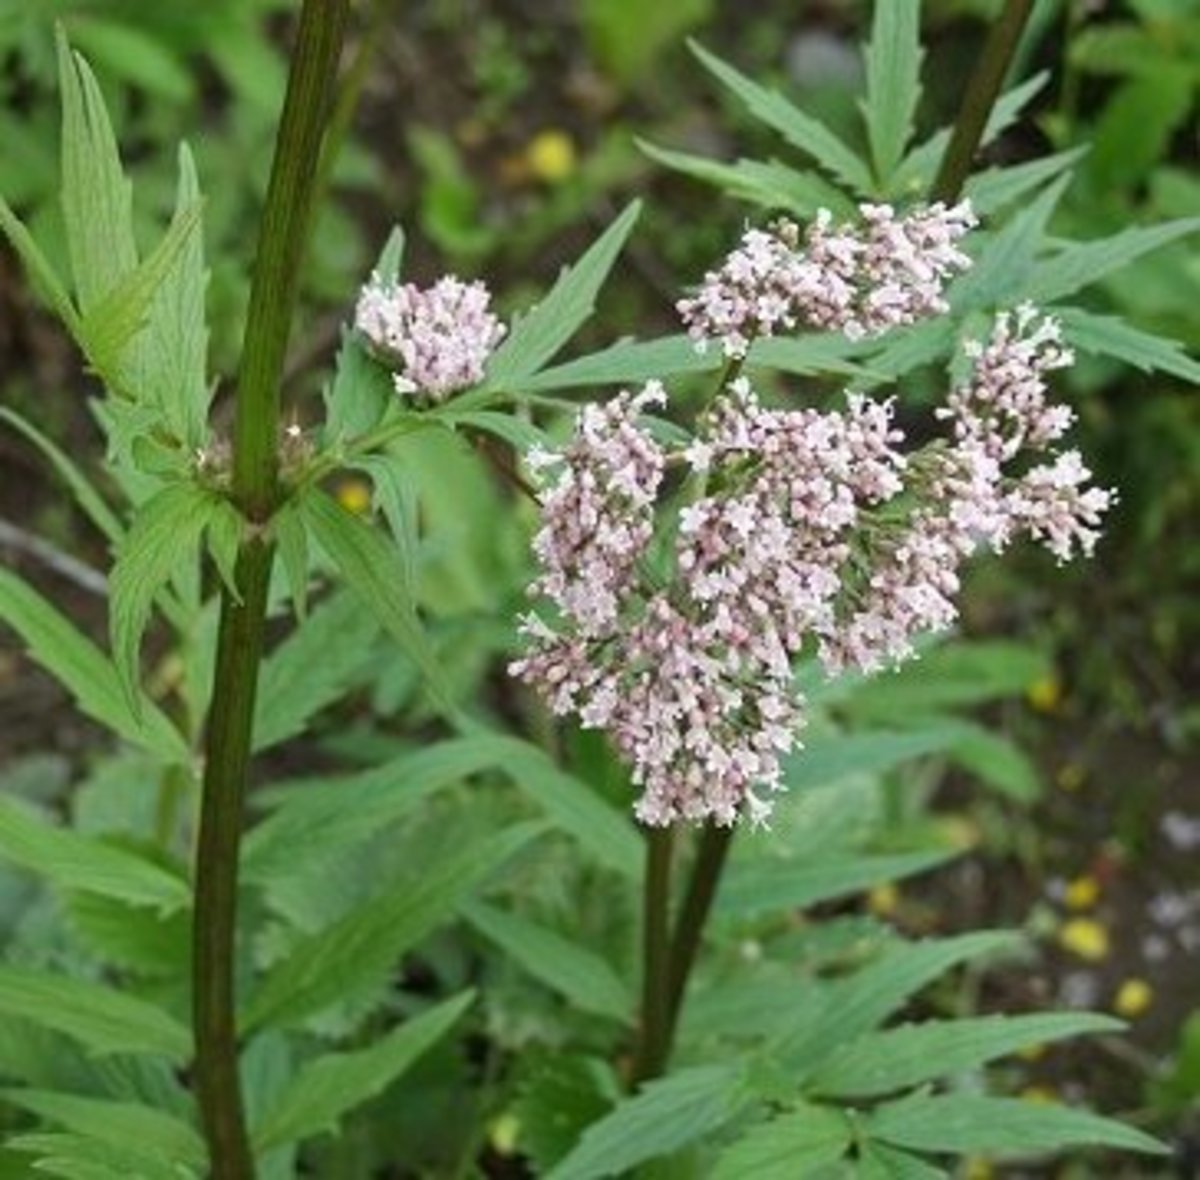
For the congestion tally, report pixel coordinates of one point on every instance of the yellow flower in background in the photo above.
(1081, 893)
(978, 1169)
(503, 1132)
(1040, 1095)
(1032, 1052)
(550, 156)
(1045, 694)
(1084, 937)
(883, 899)
(1133, 997)
(354, 495)
(1071, 776)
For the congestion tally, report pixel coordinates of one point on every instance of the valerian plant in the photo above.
(712, 593)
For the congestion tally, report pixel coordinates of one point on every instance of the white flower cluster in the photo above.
(815, 530)
(860, 280)
(437, 339)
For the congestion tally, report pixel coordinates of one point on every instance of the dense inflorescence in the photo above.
(800, 532)
(438, 340)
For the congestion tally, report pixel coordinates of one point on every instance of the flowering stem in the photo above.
(702, 888)
(654, 1043)
(240, 637)
(981, 95)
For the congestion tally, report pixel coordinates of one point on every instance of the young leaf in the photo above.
(883, 1062)
(764, 886)
(104, 1020)
(373, 570)
(1101, 335)
(800, 130)
(538, 336)
(71, 861)
(362, 947)
(90, 502)
(893, 83)
(96, 196)
(37, 266)
(582, 977)
(783, 1148)
(165, 536)
(1080, 264)
(312, 668)
(663, 1117)
(971, 1123)
(81, 668)
(116, 1124)
(329, 1087)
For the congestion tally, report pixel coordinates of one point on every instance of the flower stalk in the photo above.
(655, 1034)
(240, 638)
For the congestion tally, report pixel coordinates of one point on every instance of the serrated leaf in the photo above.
(133, 938)
(878, 1161)
(517, 432)
(583, 978)
(363, 946)
(69, 860)
(104, 1020)
(1002, 1126)
(893, 82)
(1100, 335)
(326, 1089)
(312, 668)
(560, 1095)
(802, 131)
(628, 362)
(360, 393)
(291, 541)
(884, 1062)
(84, 671)
(42, 276)
(90, 502)
(783, 1147)
(1079, 265)
(81, 1157)
(820, 353)
(995, 188)
(96, 196)
(164, 537)
(663, 1117)
(765, 886)
(537, 337)
(116, 1124)
(372, 568)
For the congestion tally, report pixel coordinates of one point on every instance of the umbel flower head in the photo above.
(438, 340)
(819, 535)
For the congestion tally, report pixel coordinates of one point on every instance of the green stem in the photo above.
(981, 95)
(240, 638)
(702, 888)
(653, 1045)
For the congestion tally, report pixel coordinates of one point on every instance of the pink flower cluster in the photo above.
(818, 534)
(439, 339)
(860, 280)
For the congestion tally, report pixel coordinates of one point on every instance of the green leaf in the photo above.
(995, 188)
(830, 758)
(1004, 1126)
(41, 274)
(133, 938)
(768, 183)
(291, 539)
(582, 977)
(329, 1087)
(893, 83)
(80, 667)
(312, 668)
(883, 1062)
(116, 1124)
(998, 762)
(96, 196)
(1107, 336)
(373, 570)
(1079, 265)
(516, 432)
(90, 501)
(537, 337)
(628, 362)
(71, 861)
(363, 947)
(877, 1161)
(391, 257)
(104, 1020)
(800, 130)
(360, 394)
(164, 537)
(663, 1117)
(558, 1096)
(135, 56)
(783, 1147)
(82, 1157)
(765, 886)
(806, 355)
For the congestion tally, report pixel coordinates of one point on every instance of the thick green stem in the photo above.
(702, 888)
(653, 1045)
(981, 95)
(240, 639)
